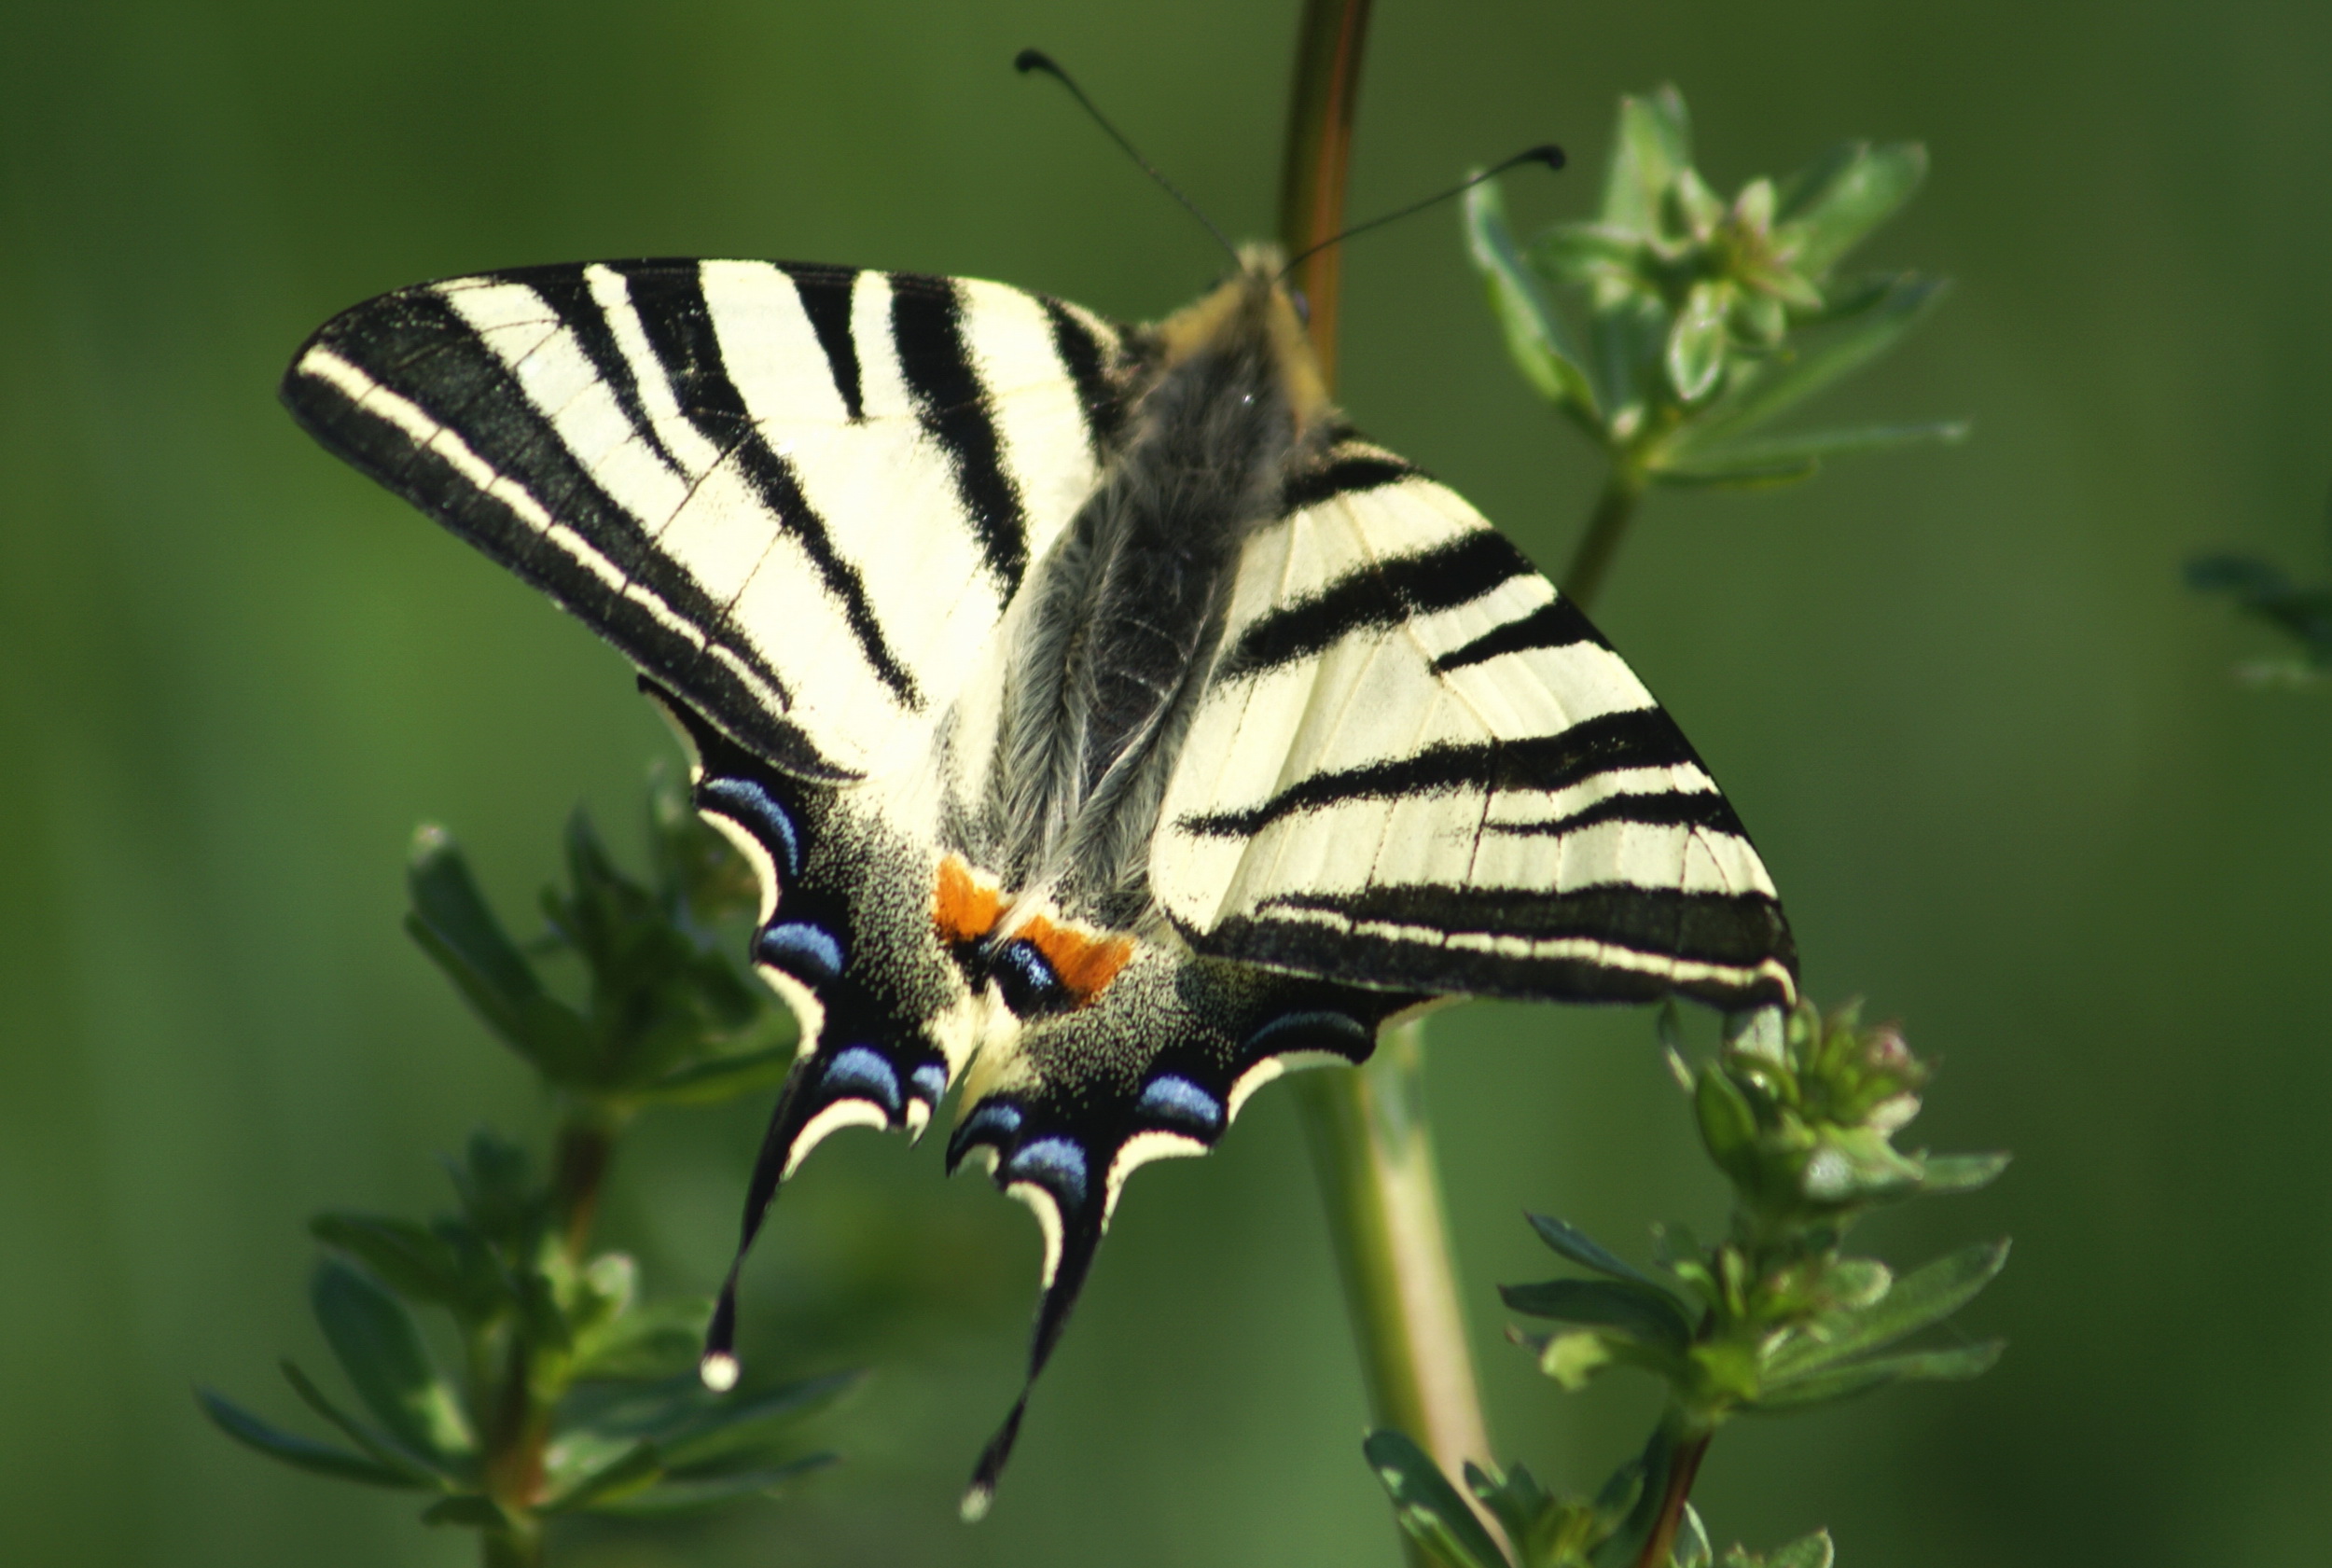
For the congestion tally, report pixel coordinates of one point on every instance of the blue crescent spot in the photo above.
(1055, 1164)
(1171, 1097)
(930, 1080)
(861, 1072)
(993, 1122)
(1345, 1035)
(760, 812)
(799, 948)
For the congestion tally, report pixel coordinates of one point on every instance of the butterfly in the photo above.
(1111, 727)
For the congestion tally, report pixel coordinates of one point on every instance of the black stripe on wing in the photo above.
(1639, 737)
(1379, 594)
(413, 348)
(826, 293)
(1086, 358)
(1398, 936)
(568, 292)
(1343, 474)
(680, 330)
(1668, 808)
(927, 329)
(1558, 624)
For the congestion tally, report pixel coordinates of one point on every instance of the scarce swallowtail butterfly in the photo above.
(1113, 729)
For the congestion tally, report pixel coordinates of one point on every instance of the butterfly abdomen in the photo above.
(1128, 609)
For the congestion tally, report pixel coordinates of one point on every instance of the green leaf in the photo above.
(1808, 1551)
(494, 1183)
(1575, 1358)
(1832, 205)
(410, 1258)
(734, 1420)
(1766, 387)
(1798, 456)
(1536, 338)
(1427, 1505)
(1630, 338)
(304, 1453)
(1729, 1127)
(1652, 145)
(1861, 1377)
(1641, 1312)
(677, 1494)
(370, 1441)
(1587, 253)
(446, 901)
(629, 1470)
(2247, 576)
(380, 1349)
(1515, 1500)
(720, 1077)
(1587, 1253)
(1693, 206)
(1919, 1299)
(1696, 341)
(1635, 1491)
(1736, 476)
(1691, 1547)
(455, 926)
(1945, 1175)
(660, 1340)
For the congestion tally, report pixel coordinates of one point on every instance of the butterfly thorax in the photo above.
(1127, 610)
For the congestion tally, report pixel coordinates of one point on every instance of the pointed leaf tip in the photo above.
(304, 1453)
(1426, 1506)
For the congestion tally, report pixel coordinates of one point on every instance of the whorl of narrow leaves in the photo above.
(1800, 1113)
(1674, 325)
(575, 1395)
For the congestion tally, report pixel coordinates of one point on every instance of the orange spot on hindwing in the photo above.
(968, 910)
(1085, 963)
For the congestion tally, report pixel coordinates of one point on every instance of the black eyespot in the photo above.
(1026, 979)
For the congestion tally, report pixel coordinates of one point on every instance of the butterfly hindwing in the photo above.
(1417, 764)
(860, 930)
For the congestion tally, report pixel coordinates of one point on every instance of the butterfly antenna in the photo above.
(1548, 154)
(1037, 60)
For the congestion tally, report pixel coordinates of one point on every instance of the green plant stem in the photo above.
(586, 1148)
(1606, 527)
(515, 1548)
(1371, 1145)
(519, 1428)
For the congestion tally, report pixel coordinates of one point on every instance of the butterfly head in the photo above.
(1254, 308)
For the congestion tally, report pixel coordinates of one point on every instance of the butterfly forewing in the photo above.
(800, 496)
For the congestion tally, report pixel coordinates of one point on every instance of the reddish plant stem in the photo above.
(1683, 1466)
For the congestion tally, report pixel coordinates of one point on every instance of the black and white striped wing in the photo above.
(800, 496)
(1416, 765)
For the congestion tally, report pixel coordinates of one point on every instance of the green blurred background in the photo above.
(1990, 748)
